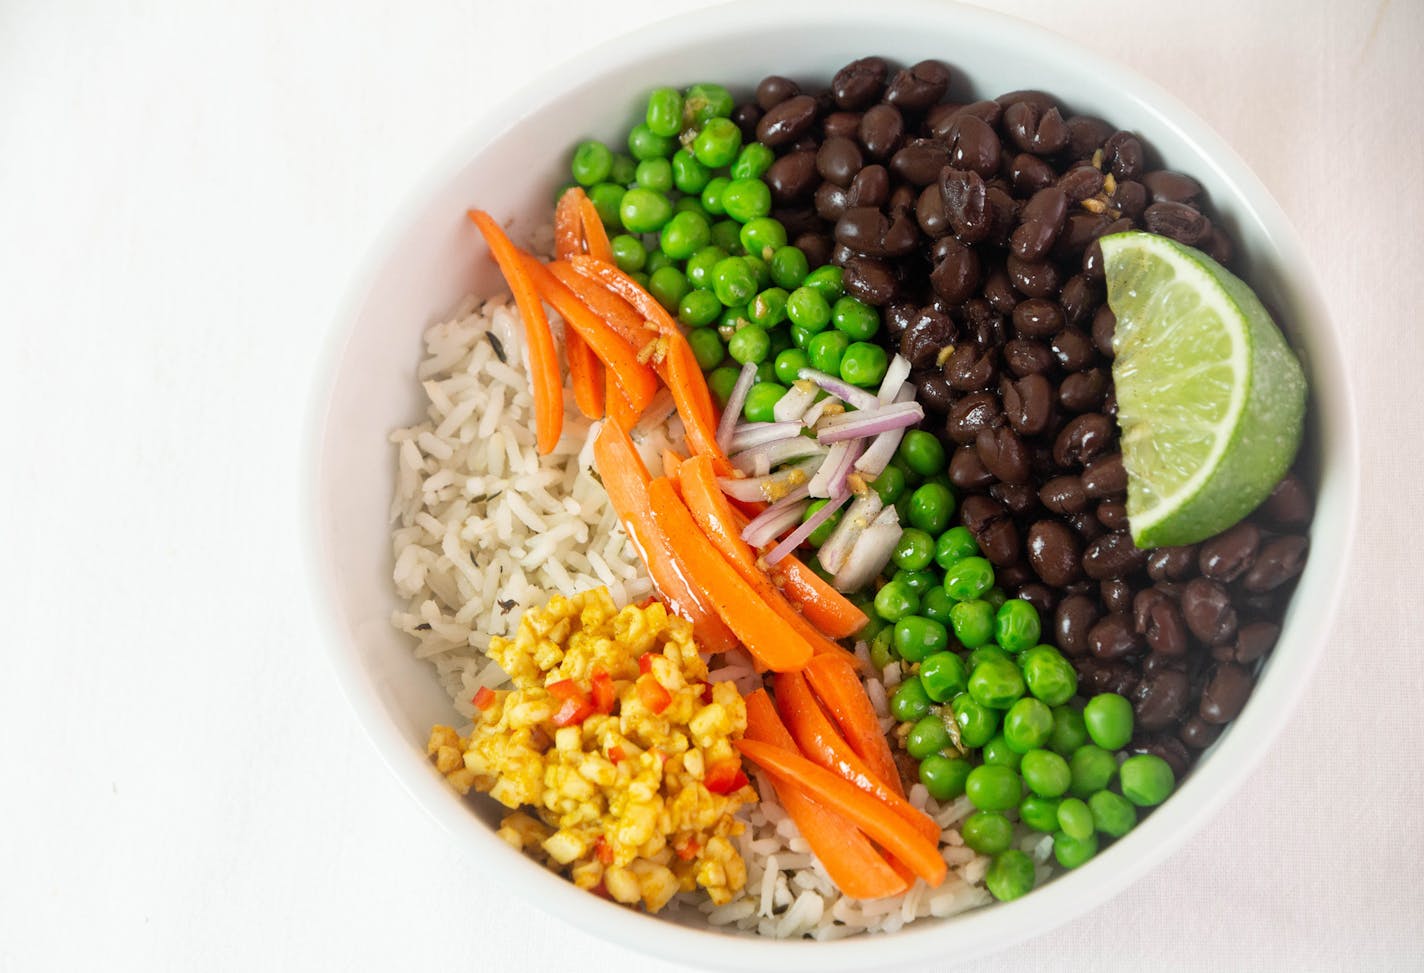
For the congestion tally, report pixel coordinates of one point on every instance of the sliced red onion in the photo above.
(895, 375)
(745, 380)
(781, 516)
(813, 415)
(868, 422)
(794, 539)
(771, 487)
(831, 476)
(858, 516)
(793, 405)
(871, 552)
(882, 450)
(844, 391)
(658, 412)
(781, 451)
(750, 434)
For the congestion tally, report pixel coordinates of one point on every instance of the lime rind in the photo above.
(1211, 399)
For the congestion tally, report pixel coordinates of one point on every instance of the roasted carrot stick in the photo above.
(626, 480)
(882, 825)
(568, 225)
(817, 738)
(585, 370)
(853, 863)
(595, 237)
(761, 630)
(838, 687)
(543, 358)
(827, 608)
(671, 463)
(619, 411)
(637, 380)
(617, 313)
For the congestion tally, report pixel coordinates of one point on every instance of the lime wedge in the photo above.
(1210, 397)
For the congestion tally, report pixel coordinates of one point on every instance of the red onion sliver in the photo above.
(868, 422)
(794, 539)
(831, 476)
(895, 375)
(775, 520)
(781, 451)
(844, 391)
(750, 434)
(882, 450)
(870, 554)
(793, 405)
(745, 380)
(772, 487)
(833, 553)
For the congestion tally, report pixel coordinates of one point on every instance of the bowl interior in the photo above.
(511, 165)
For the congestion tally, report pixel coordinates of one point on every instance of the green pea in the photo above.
(996, 684)
(684, 235)
(732, 319)
(1039, 813)
(943, 776)
(1046, 773)
(668, 285)
(922, 452)
(920, 582)
(607, 199)
(1010, 875)
(917, 637)
(943, 676)
(717, 144)
(624, 168)
(747, 199)
(752, 161)
(987, 832)
(938, 605)
(1074, 818)
(973, 623)
(712, 193)
(992, 787)
(689, 175)
(895, 601)
(698, 309)
(1072, 852)
(931, 506)
(808, 309)
(995, 597)
(882, 650)
(859, 321)
(701, 264)
(657, 260)
(761, 400)
(1113, 814)
(1049, 676)
(644, 143)
(788, 364)
(953, 546)
(724, 235)
(969, 577)
(706, 344)
(759, 269)
(822, 533)
(1069, 731)
(733, 281)
(910, 703)
(665, 111)
(688, 204)
(749, 344)
(763, 237)
(828, 281)
(1093, 769)
(720, 382)
(864, 364)
(705, 102)
(768, 308)
(1028, 724)
(789, 267)
(998, 752)
(628, 252)
(1108, 717)
(1146, 779)
(825, 351)
(889, 485)
(1016, 625)
(977, 724)
(988, 652)
(928, 736)
(592, 163)
(766, 374)
(914, 551)
(654, 174)
(644, 211)
(641, 277)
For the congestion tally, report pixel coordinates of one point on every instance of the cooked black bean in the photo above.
(966, 471)
(1166, 186)
(1078, 299)
(1169, 748)
(1032, 279)
(1228, 555)
(774, 89)
(1112, 637)
(1003, 454)
(1054, 552)
(1171, 563)
(981, 323)
(931, 214)
(1280, 560)
(1113, 556)
(841, 124)
(1197, 733)
(816, 247)
(1208, 612)
(1116, 595)
(1112, 514)
(745, 117)
(870, 280)
(1165, 631)
(792, 178)
(1083, 439)
(1086, 135)
(1083, 391)
(881, 130)
(935, 395)
(870, 187)
(1028, 402)
(831, 201)
(1104, 324)
(1122, 154)
(1003, 213)
(957, 274)
(916, 88)
(937, 118)
(971, 413)
(787, 121)
(993, 529)
(1043, 217)
(1101, 676)
(927, 334)
(966, 203)
(1038, 318)
(1218, 245)
(1028, 174)
(860, 83)
(1130, 199)
(1064, 495)
(1289, 503)
(1073, 349)
(1072, 620)
(838, 160)
(1178, 221)
(1012, 576)
(1086, 525)
(919, 161)
(1025, 357)
(1105, 477)
(1080, 182)
(1040, 596)
(970, 368)
(1020, 499)
(1160, 699)
(999, 290)
(1254, 641)
(1225, 693)
(973, 144)
(1034, 128)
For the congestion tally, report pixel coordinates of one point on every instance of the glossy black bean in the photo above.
(931, 214)
(1072, 620)
(1040, 596)
(774, 89)
(935, 395)
(1112, 514)
(838, 160)
(1038, 318)
(1178, 221)
(916, 88)
(1168, 747)
(1122, 154)
(1086, 135)
(882, 128)
(1289, 504)
(1171, 563)
(1024, 357)
(1034, 128)
(1113, 556)
(860, 83)
(1166, 186)
(1197, 733)
(957, 274)
(973, 145)
(870, 187)
(1033, 279)
(1112, 637)
(1054, 552)
(1280, 560)
(1028, 402)
(999, 290)
(1064, 495)
(970, 368)
(1225, 693)
(1208, 612)
(1165, 631)
(831, 201)
(787, 121)
(1073, 349)
(1104, 325)
(1160, 699)
(1083, 439)
(1028, 174)
(966, 203)
(1020, 499)
(841, 124)
(1003, 454)
(1116, 595)
(1105, 477)
(1229, 554)
(993, 529)
(1130, 199)
(816, 246)
(1078, 298)
(970, 414)
(870, 280)
(966, 471)
(792, 178)
(1080, 182)
(930, 332)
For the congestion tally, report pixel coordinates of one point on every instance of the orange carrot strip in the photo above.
(828, 609)
(760, 629)
(626, 480)
(585, 374)
(617, 406)
(879, 822)
(853, 863)
(671, 462)
(595, 237)
(610, 308)
(838, 687)
(637, 380)
(818, 740)
(568, 225)
(543, 359)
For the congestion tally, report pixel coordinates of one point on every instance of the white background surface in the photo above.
(184, 191)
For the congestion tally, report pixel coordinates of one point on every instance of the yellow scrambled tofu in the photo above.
(617, 746)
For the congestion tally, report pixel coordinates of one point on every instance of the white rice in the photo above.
(484, 528)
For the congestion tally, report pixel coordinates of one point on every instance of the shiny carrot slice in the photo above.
(619, 411)
(543, 358)
(838, 687)
(828, 609)
(852, 861)
(595, 237)
(761, 630)
(568, 225)
(881, 824)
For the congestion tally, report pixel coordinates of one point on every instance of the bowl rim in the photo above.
(997, 928)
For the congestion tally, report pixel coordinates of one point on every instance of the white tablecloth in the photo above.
(184, 188)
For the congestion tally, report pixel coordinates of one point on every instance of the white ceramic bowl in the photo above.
(512, 161)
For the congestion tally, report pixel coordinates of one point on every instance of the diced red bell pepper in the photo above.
(483, 699)
(645, 663)
(564, 689)
(602, 852)
(652, 693)
(616, 754)
(725, 777)
(573, 711)
(604, 694)
(706, 692)
(688, 849)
